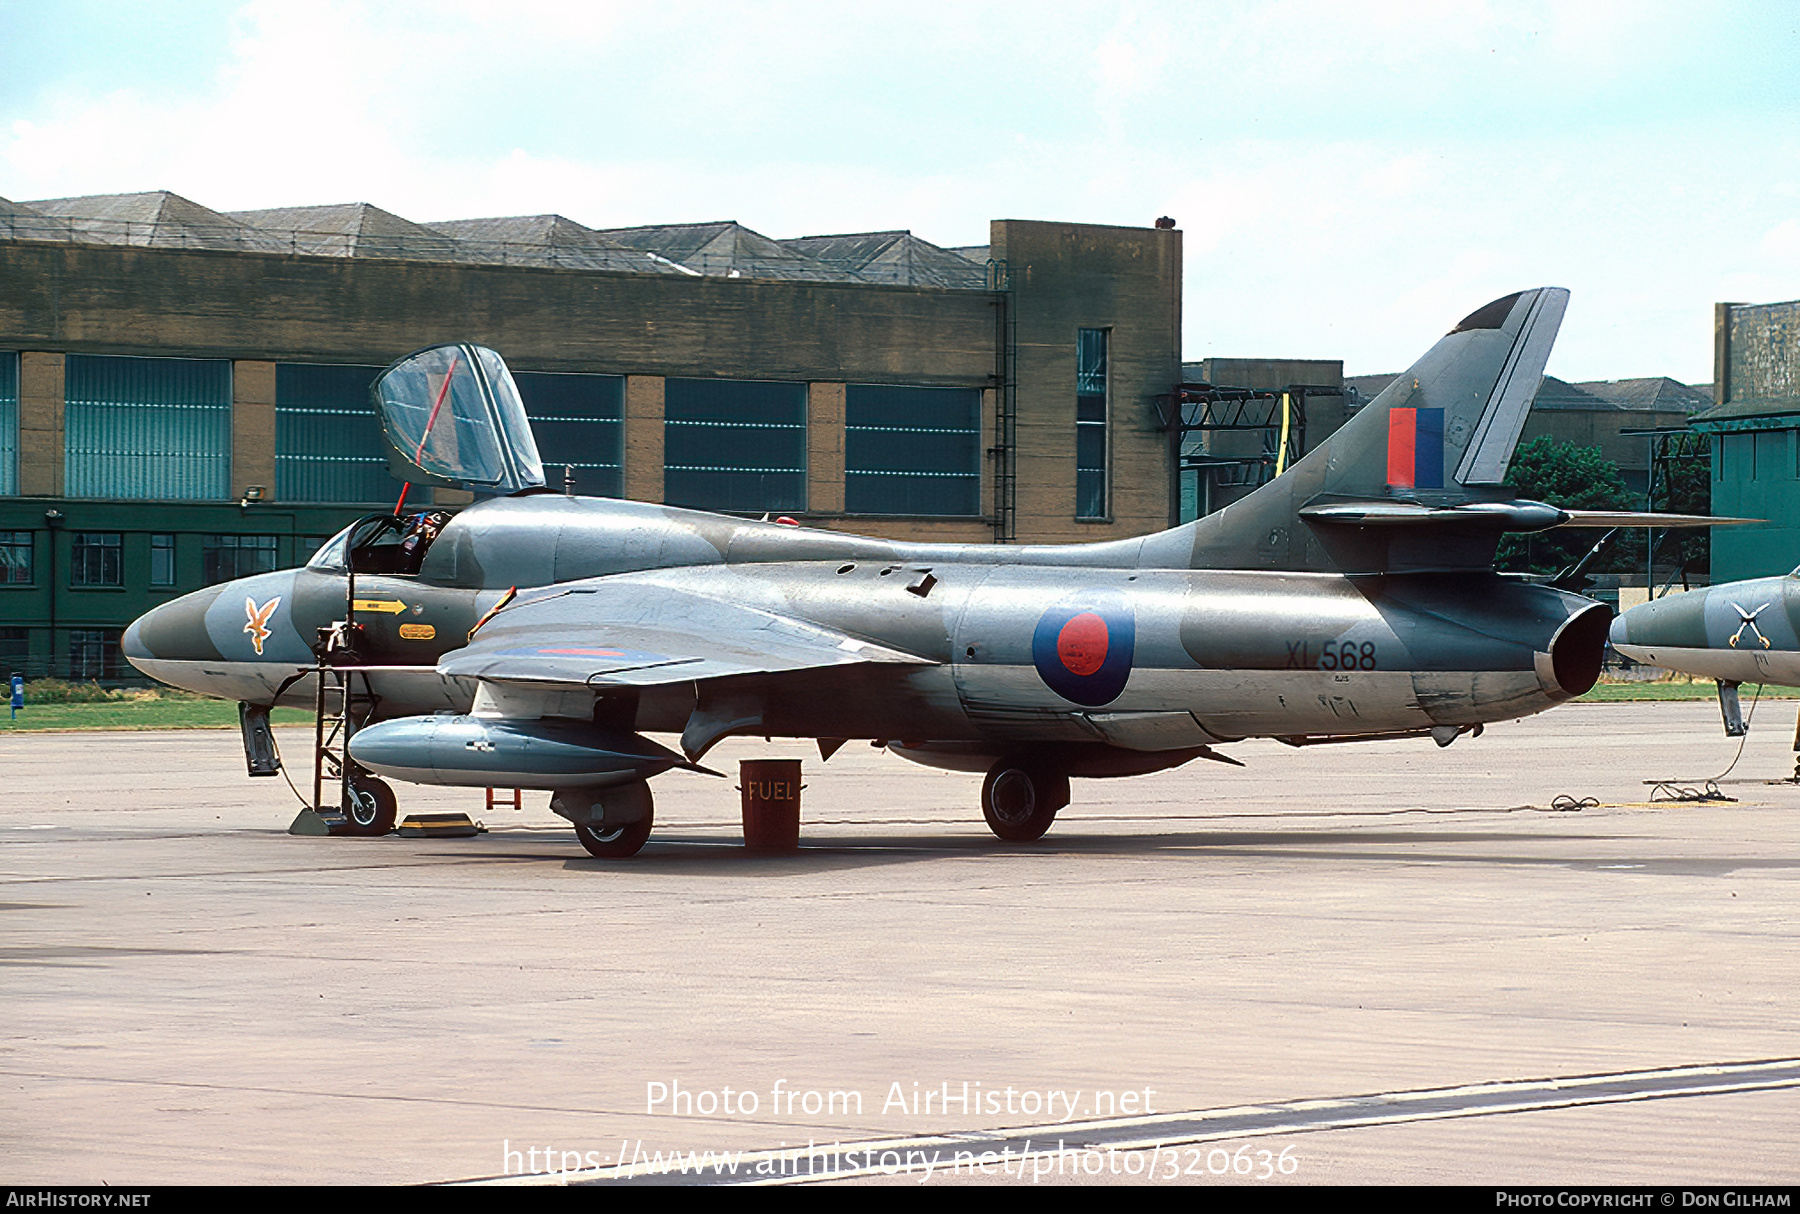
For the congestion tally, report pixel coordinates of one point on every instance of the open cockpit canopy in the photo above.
(451, 416)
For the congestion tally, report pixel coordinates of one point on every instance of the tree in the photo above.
(1563, 474)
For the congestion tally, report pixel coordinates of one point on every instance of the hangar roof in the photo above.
(352, 229)
(1657, 394)
(550, 240)
(898, 257)
(724, 249)
(1746, 407)
(157, 219)
(728, 249)
(20, 222)
(1654, 394)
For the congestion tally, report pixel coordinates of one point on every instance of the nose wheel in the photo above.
(369, 807)
(1020, 798)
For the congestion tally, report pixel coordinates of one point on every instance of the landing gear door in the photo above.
(451, 416)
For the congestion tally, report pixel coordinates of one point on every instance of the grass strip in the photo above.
(138, 714)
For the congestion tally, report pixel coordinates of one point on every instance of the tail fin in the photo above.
(1373, 496)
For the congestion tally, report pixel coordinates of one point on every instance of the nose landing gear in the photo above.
(369, 807)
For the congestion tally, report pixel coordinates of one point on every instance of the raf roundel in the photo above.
(1082, 647)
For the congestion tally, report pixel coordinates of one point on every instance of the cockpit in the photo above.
(382, 543)
(330, 556)
(450, 416)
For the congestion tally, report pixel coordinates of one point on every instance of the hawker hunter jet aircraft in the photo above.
(1740, 632)
(532, 640)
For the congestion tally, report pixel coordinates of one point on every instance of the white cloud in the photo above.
(1782, 240)
(1351, 178)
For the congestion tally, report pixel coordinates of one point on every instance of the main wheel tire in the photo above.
(617, 842)
(1020, 800)
(614, 842)
(369, 806)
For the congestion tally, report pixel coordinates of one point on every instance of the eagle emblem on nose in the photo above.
(258, 626)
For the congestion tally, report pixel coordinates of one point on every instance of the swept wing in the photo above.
(626, 632)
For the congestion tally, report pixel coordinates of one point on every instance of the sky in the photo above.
(1350, 178)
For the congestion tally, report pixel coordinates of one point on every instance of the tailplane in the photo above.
(1416, 479)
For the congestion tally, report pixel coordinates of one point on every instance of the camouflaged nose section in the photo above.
(1742, 616)
(175, 631)
(1752, 616)
(1677, 622)
(252, 620)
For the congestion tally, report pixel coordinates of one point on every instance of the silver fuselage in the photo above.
(1197, 655)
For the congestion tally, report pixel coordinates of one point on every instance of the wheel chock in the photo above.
(312, 822)
(439, 826)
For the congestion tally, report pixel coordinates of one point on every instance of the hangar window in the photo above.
(9, 422)
(226, 557)
(579, 423)
(15, 558)
(912, 450)
(162, 560)
(328, 444)
(1090, 423)
(94, 653)
(147, 427)
(96, 558)
(734, 444)
(15, 650)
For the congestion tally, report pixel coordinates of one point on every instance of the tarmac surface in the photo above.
(1372, 963)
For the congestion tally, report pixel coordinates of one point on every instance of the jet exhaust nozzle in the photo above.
(1576, 653)
(480, 752)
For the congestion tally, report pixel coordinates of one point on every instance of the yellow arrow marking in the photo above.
(384, 606)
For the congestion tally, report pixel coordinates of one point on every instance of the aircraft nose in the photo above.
(175, 631)
(1675, 622)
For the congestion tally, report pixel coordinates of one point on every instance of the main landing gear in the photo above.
(612, 823)
(614, 842)
(1020, 798)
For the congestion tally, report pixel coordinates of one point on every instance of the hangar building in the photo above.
(1755, 429)
(183, 393)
